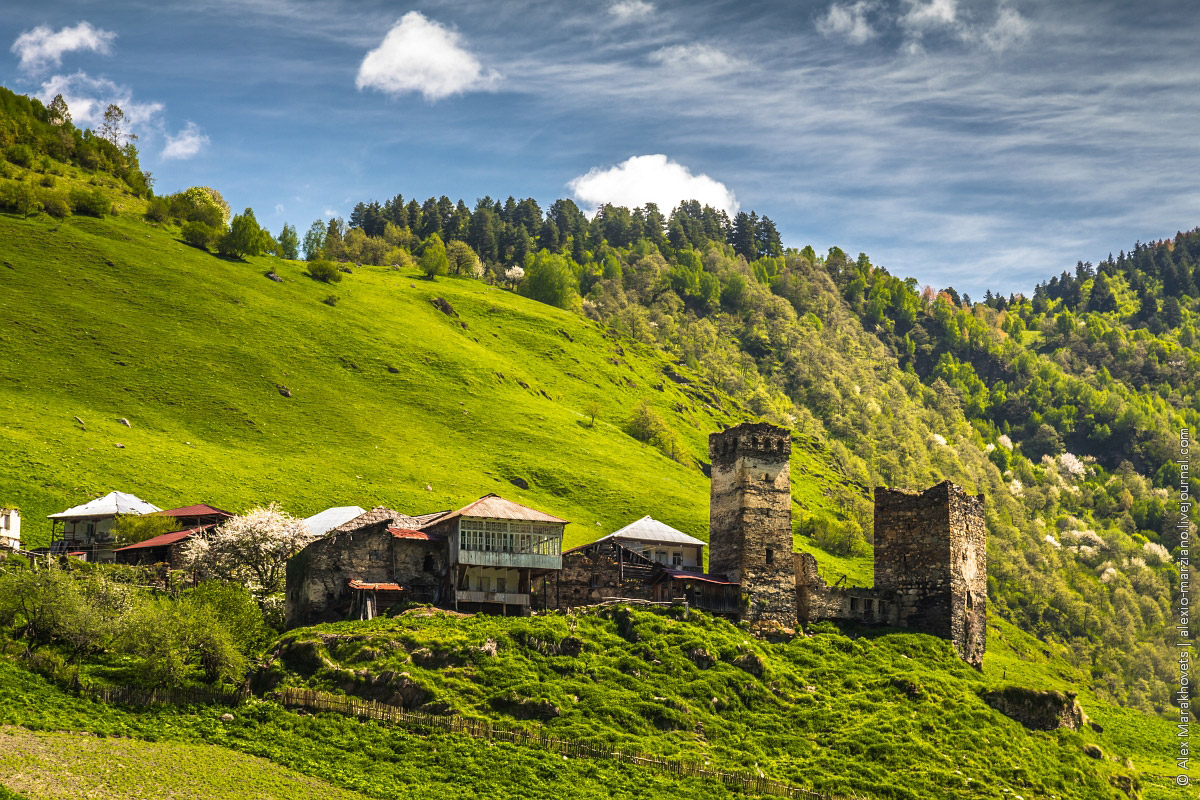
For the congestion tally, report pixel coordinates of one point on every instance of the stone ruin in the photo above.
(930, 550)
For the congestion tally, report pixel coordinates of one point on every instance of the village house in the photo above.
(10, 528)
(167, 548)
(88, 529)
(482, 557)
(628, 563)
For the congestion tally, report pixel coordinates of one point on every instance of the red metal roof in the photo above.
(355, 583)
(165, 539)
(198, 510)
(680, 575)
(492, 506)
(409, 533)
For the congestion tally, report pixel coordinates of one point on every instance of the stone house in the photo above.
(10, 528)
(88, 529)
(592, 573)
(482, 557)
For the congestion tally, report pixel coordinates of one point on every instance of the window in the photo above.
(427, 565)
(661, 556)
(770, 556)
(374, 555)
(854, 604)
(501, 584)
(970, 602)
(677, 558)
(869, 605)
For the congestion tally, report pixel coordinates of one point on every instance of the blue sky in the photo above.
(978, 143)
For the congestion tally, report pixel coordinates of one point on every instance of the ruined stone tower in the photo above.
(750, 522)
(931, 552)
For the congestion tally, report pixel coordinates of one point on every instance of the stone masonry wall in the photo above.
(931, 550)
(817, 601)
(595, 572)
(750, 526)
(318, 576)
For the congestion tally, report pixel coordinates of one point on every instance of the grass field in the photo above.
(42, 765)
(392, 401)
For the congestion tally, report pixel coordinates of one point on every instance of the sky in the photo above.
(984, 144)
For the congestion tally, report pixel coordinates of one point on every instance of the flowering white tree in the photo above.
(514, 275)
(252, 549)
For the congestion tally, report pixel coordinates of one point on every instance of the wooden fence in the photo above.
(538, 737)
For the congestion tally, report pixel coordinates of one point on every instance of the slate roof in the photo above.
(376, 514)
(109, 505)
(648, 529)
(492, 506)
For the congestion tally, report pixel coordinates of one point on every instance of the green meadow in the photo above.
(392, 401)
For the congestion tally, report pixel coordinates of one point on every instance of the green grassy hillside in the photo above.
(114, 318)
(886, 715)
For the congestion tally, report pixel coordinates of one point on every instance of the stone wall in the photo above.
(750, 522)
(930, 570)
(318, 577)
(593, 573)
(818, 601)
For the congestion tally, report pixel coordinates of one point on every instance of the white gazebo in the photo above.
(88, 528)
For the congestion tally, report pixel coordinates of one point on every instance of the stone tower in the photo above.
(750, 522)
(931, 551)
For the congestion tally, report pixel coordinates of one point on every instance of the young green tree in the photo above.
(549, 279)
(462, 259)
(434, 261)
(314, 241)
(134, 528)
(289, 243)
(112, 129)
(245, 237)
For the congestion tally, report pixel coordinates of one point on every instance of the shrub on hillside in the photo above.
(647, 425)
(839, 537)
(158, 210)
(55, 204)
(434, 261)
(93, 202)
(324, 271)
(18, 198)
(197, 234)
(19, 154)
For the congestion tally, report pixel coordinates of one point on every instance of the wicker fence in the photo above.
(138, 696)
(538, 737)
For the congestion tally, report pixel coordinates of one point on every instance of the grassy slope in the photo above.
(829, 711)
(70, 765)
(357, 757)
(190, 349)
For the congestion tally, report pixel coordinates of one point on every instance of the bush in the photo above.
(18, 198)
(158, 210)
(197, 234)
(48, 181)
(55, 204)
(93, 203)
(839, 537)
(434, 261)
(324, 271)
(19, 154)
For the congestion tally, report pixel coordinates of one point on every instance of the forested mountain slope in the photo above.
(241, 389)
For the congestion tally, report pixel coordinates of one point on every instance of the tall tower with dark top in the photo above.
(750, 523)
(931, 551)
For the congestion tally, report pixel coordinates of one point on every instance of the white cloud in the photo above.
(628, 10)
(88, 97)
(278, 208)
(1010, 27)
(329, 212)
(930, 14)
(420, 55)
(650, 179)
(697, 56)
(849, 20)
(185, 144)
(43, 47)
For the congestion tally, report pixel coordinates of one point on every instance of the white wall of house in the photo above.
(672, 555)
(10, 528)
